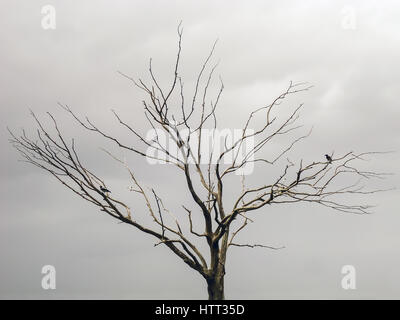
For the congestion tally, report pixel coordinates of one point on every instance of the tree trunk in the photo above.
(215, 287)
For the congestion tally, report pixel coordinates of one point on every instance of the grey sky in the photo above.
(262, 46)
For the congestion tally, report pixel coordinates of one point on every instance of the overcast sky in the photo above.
(347, 49)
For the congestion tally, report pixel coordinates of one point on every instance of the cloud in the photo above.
(262, 46)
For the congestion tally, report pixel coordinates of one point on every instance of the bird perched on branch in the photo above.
(105, 190)
(328, 157)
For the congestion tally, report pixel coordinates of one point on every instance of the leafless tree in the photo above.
(297, 182)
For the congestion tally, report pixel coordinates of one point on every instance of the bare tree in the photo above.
(314, 182)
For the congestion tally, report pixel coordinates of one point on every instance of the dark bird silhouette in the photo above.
(328, 157)
(104, 189)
